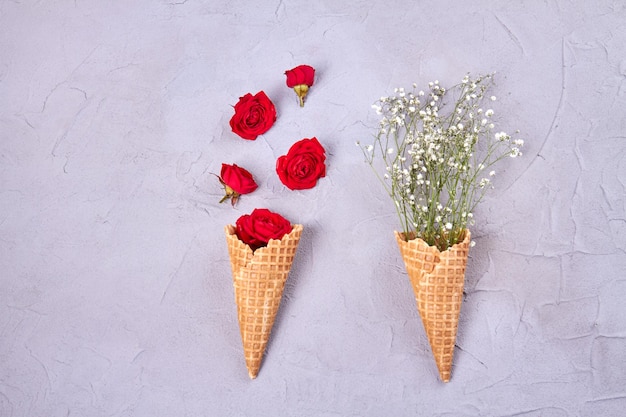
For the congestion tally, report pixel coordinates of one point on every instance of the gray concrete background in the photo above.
(115, 290)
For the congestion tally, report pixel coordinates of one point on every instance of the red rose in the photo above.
(236, 181)
(302, 74)
(257, 228)
(300, 79)
(303, 165)
(254, 115)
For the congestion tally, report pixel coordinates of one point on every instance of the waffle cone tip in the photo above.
(444, 374)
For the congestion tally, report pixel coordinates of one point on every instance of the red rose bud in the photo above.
(300, 79)
(236, 181)
(303, 165)
(257, 228)
(254, 115)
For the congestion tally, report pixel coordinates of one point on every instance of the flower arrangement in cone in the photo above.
(261, 247)
(437, 148)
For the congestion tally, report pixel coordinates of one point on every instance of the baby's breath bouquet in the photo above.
(438, 147)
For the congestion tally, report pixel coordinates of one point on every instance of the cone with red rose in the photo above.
(262, 247)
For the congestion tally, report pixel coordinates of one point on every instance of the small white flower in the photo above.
(449, 226)
(370, 148)
(501, 136)
(472, 243)
(489, 113)
(492, 173)
(390, 151)
(493, 98)
(518, 142)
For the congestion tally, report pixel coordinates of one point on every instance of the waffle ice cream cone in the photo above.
(437, 279)
(259, 279)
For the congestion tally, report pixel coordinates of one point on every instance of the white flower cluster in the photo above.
(435, 156)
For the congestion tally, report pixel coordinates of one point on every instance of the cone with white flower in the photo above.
(436, 147)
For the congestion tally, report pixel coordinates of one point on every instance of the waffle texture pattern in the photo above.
(437, 279)
(259, 279)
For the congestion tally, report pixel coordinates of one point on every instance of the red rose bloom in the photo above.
(236, 181)
(257, 228)
(303, 165)
(302, 74)
(300, 79)
(254, 115)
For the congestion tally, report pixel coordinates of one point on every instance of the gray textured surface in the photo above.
(115, 292)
